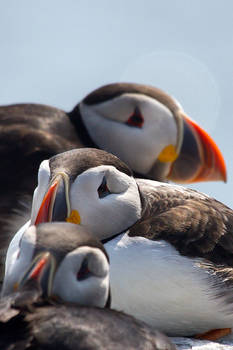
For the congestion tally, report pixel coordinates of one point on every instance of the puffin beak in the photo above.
(46, 208)
(37, 269)
(56, 203)
(199, 158)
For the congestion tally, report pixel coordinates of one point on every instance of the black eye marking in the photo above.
(84, 271)
(136, 119)
(103, 190)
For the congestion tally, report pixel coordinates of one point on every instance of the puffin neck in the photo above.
(76, 119)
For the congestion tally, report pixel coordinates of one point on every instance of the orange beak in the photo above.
(199, 159)
(45, 211)
(56, 203)
(36, 269)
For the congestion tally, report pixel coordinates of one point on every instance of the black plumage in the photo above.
(194, 223)
(49, 325)
(77, 161)
(61, 238)
(29, 134)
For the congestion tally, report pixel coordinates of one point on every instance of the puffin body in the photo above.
(170, 247)
(40, 314)
(142, 125)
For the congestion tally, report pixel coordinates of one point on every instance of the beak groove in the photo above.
(39, 267)
(200, 158)
(46, 208)
(56, 202)
(38, 270)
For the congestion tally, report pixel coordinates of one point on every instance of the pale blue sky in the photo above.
(55, 52)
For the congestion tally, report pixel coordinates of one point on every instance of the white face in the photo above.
(108, 125)
(104, 214)
(109, 214)
(83, 277)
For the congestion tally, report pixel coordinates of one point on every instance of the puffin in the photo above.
(140, 124)
(62, 298)
(171, 248)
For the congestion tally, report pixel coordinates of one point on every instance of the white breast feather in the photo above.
(153, 282)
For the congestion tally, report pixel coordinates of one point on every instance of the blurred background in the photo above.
(55, 52)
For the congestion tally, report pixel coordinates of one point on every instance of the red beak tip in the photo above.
(213, 167)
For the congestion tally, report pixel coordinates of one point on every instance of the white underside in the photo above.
(153, 282)
(12, 273)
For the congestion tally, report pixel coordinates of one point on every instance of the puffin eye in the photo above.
(103, 190)
(136, 119)
(84, 271)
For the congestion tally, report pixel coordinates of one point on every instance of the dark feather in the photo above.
(50, 325)
(195, 224)
(29, 133)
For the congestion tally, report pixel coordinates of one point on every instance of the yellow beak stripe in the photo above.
(74, 217)
(168, 154)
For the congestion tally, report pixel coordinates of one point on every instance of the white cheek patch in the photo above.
(119, 108)
(112, 214)
(113, 182)
(43, 182)
(138, 147)
(92, 291)
(98, 263)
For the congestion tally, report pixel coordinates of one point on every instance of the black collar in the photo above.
(106, 240)
(76, 119)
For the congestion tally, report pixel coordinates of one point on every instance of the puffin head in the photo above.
(67, 261)
(150, 132)
(87, 186)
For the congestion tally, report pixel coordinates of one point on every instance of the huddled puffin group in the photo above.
(109, 254)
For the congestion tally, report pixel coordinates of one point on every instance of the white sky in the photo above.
(55, 52)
